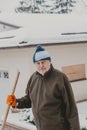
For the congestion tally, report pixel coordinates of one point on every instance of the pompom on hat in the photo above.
(41, 54)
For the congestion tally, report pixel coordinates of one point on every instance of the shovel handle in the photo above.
(8, 106)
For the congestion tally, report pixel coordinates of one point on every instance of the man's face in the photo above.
(43, 66)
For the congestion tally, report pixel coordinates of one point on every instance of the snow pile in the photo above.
(25, 118)
(82, 109)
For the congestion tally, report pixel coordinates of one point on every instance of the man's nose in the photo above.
(41, 64)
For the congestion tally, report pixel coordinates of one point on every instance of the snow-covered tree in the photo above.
(46, 6)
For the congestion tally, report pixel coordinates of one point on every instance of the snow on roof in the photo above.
(43, 29)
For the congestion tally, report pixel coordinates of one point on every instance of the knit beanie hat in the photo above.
(41, 54)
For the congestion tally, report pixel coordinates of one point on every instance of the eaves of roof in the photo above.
(45, 29)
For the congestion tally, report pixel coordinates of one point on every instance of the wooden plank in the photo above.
(75, 72)
(10, 126)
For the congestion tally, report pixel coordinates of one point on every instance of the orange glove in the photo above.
(11, 100)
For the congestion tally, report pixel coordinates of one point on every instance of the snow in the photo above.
(21, 119)
(39, 28)
(8, 5)
(43, 28)
(82, 109)
(81, 6)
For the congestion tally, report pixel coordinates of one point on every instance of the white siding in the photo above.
(20, 59)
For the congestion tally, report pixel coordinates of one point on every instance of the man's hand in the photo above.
(11, 100)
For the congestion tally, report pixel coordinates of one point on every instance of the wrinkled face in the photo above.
(43, 66)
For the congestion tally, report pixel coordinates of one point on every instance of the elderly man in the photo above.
(50, 95)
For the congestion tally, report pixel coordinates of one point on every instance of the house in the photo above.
(64, 36)
(6, 26)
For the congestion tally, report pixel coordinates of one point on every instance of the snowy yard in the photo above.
(82, 109)
(24, 118)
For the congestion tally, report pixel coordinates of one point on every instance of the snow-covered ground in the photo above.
(24, 118)
(82, 109)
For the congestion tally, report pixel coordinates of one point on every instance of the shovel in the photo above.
(8, 107)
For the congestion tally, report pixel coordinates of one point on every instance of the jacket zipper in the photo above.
(39, 102)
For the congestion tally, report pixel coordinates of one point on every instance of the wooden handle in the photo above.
(8, 107)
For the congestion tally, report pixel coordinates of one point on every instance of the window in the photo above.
(4, 74)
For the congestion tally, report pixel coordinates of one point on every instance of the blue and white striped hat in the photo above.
(41, 54)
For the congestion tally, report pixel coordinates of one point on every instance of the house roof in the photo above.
(7, 24)
(43, 29)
